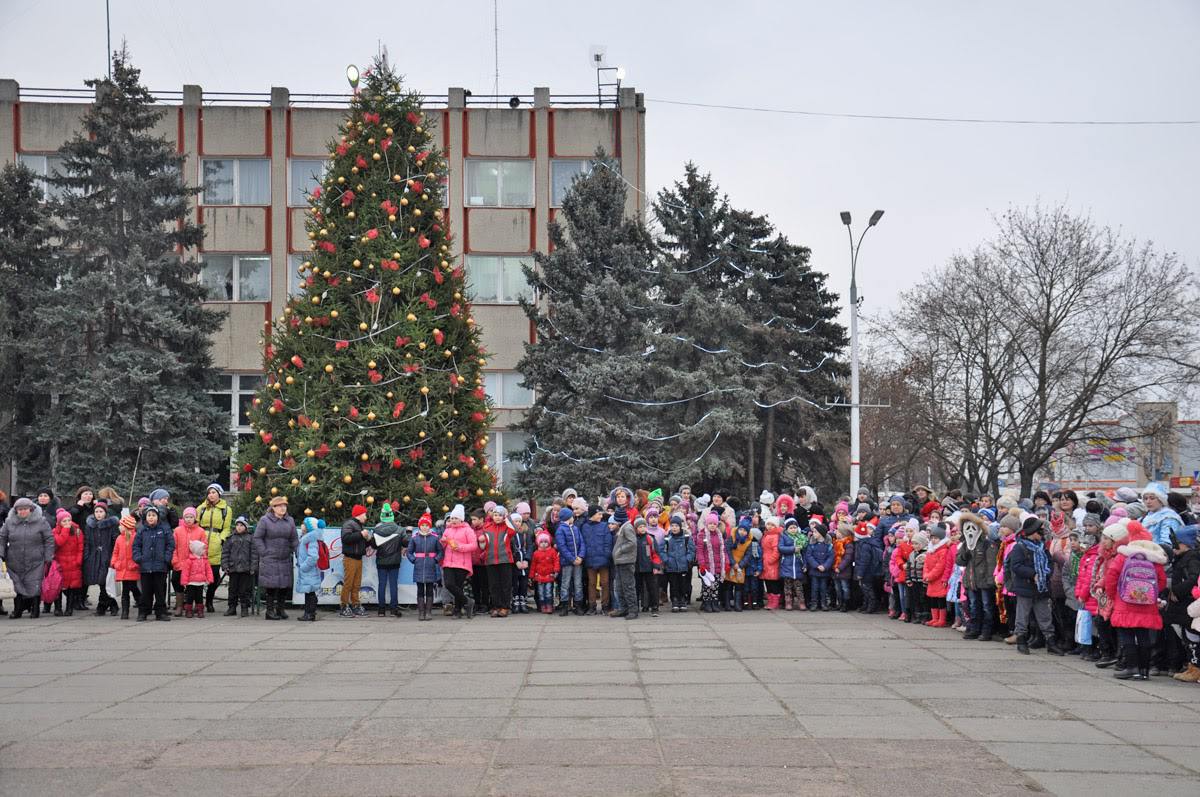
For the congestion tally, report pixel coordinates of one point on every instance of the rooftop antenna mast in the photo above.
(108, 37)
(496, 47)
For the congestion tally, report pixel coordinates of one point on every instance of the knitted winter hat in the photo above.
(458, 513)
(129, 522)
(159, 495)
(711, 517)
(498, 509)
(569, 493)
(60, 514)
(359, 511)
(677, 519)
(920, 541)
(1187, 535)
(426, 519)
(198, 548)
(1118, 531)
(386, 515)
(862, 509)
(488, 506)
(612, 520)
(564, 515)
(765, 497)
(310, 524)
(1011, 522)
(639, 522)
(189, 511)
(1093, 520)
(522, 508)
(241, 521)
(543, 537)
(1156, 489)
(580, 504)
(1125, 494)
(937, 531)
(214, 486)
(514, 521)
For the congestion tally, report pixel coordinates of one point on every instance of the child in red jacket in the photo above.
(68, 552)
(543, 570)
(195, 575)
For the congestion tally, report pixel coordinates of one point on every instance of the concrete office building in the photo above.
(255, 155)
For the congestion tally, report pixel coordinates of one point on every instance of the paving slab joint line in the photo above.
(486, 776)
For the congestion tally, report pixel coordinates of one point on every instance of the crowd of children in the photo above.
(1115, 581)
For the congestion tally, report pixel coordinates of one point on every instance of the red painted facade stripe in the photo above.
(287, 127)
(17, 126)
(199, 131)
(550, 131)
(466, 235)
(466, 135)
(617, 135)
(532, 229)
(445, 131)
(533, 134)
(267, 151)
(179, 131)
(267, 226)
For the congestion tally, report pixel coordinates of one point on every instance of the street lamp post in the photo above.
(855, 407)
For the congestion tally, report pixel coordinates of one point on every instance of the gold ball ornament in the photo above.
(316, 300)
(370, 416)
(444, 475)
(424, 390)
(396, 291)
(376, 156)
(274, 491)
(316, 425)
(362, 326)
(404, 201)
(291, 380)
(347, 479)
(478, 491)
(337, 504)
(333, 313)
(341, 444)
(351, 215)
(312, 479)
(310, 453)
(307, 510)
(364, 457)
(262, 471)
(370, 363)
(370, 499)
(295, 482)
(456, 472)
(421, 435)
(410, 317)
(421, 345)
(329, 368)
(406, 499)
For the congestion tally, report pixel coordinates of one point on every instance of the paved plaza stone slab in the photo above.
(744, 704)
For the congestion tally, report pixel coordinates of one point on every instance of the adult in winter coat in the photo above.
(354, 550)
(153, 550)
(26, 546)
(187, 532)
(977, 557)
(81, 510)
(99, 535)
(868, 565)
(68, 553)
(897, 514)
(459, 544)
(1161, 521)
(216, 518)
(1135, 622)
(48, 504)
(1029, 566)
(275, 540)
(240, 560)
(308, 573)
(128, 574)
(597, 559)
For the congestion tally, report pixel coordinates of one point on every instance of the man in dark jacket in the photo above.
(354, 548)
(1029, 564)
(977, 557)
(153, 548)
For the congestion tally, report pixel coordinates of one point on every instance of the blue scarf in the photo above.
(1041, 563)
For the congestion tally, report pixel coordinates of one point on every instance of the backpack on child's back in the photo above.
(1138, 583)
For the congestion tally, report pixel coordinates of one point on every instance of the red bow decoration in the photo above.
(374, 376)
(327, 246)
(457, 273)
(478, 417)
(430, 302)
(372, 234)
(388, 207)
(479, 394)
(428, 488)
(371, 118)
(422, 242)
(360, 162)
(347, 198)
(416, 453)
(294, 321)
(417, 186)
(335, 281)
(371, 296)
(438, 276)
(316, 193)
(413, 118)
(269, 351)
(302, 421)
(267, 437)
(322, 450)
(342, 148)
(289, 463)
(438, 336)
(399, 408)
(412, 368)
(390, 265)
(296, 361)
(455, 310)
(341, 345)
(437, 228)
(422, 156)
(385, 144)
(402, 341)
(354, 413)
(277, 405)
(462, 492)
(247, 468)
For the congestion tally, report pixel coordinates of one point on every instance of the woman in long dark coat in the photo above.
(99, 535)
(276, 541)
(26, 546)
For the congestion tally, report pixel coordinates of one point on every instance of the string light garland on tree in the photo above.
(375, 388)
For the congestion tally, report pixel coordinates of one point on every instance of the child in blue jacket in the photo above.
(818, 559)
(571, 550)
(425, 553)
(678, 553)
(791, 565)
(597, 561)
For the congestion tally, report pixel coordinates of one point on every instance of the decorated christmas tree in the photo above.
(374, 389)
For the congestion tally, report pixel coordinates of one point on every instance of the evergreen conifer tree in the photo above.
(26, 280)
(126, 362)
(596, 332)
(375, 389)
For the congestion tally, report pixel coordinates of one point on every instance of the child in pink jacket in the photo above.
(195, 574)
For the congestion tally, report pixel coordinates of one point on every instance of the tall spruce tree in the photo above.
(26, 281)
(595, 354)
(377, 391)
(751, 319)
(127, 364)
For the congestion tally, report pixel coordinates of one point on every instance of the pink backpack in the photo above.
(52, 583)
(1138, 583)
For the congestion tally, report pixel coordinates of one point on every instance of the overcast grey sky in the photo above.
(939, 183)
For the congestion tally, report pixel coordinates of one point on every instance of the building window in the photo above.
(236, 181)
(497, 279)
(304, 175)
(295, 281)
(507, 453)
(236, 278)
(500, 183)
(505, 390)
(562, 174)
(44, 166)
(235, 396)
